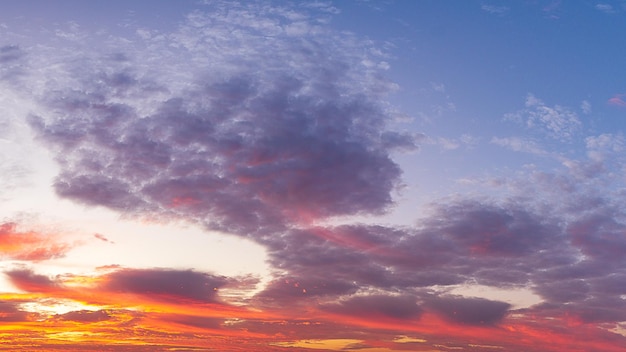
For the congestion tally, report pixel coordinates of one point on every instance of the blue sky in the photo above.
(296, 176)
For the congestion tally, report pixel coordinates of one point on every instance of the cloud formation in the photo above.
(558, 122)
(249, 142)
(263, 122)
(22, 245)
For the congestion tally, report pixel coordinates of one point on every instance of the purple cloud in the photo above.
(236, 123)
(377, 306)
(84, 316)
(10, 312)
(248, 143)
(165, 284)
(470, 311)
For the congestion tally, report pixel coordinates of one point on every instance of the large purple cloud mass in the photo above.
(239, 124)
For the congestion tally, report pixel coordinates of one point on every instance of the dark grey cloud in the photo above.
(471, 311)
(84, 316)
(165, 284)
(29, 281)
(377, 306)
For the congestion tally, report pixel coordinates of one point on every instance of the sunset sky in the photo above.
(368, 176)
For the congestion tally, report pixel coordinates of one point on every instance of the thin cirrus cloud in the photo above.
(263, 122)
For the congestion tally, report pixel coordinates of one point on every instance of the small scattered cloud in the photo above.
(446, 143)
(519, 144)
(585, 106)
(552, 9)
(555, 121)
(102, 238)
(604, 147)
(438, 87)
(618, 100)
(470, 311)
(17, 244)
(494, 9)
(606, 8)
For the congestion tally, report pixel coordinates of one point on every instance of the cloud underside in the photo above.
(262, 122)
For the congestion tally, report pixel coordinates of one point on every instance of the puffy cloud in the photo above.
(244, 134)
(102, 237)
(12, 59)
(585, 106)
(558, 122)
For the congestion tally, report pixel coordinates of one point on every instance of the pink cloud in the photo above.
(29, 245)
(618, 100)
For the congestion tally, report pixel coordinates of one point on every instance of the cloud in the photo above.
(617, 100)
(10, 312)
(377, 307)
(164, 283)
(606, 8)
(261, 121)
(102, 238)
(585, 106)
(504, 245)
(16, 244)
(557, 122)
(85, 316)
(495, 10)
(245, 144)
(519, 145)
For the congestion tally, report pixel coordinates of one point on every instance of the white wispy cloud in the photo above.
(606, 8)
(494, 9)
(585, 106)
(556, 121)
(519, 145)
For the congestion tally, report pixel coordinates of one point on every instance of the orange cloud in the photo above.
(29, 245)
(166, 309)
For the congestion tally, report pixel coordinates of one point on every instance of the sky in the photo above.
(369, 176)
